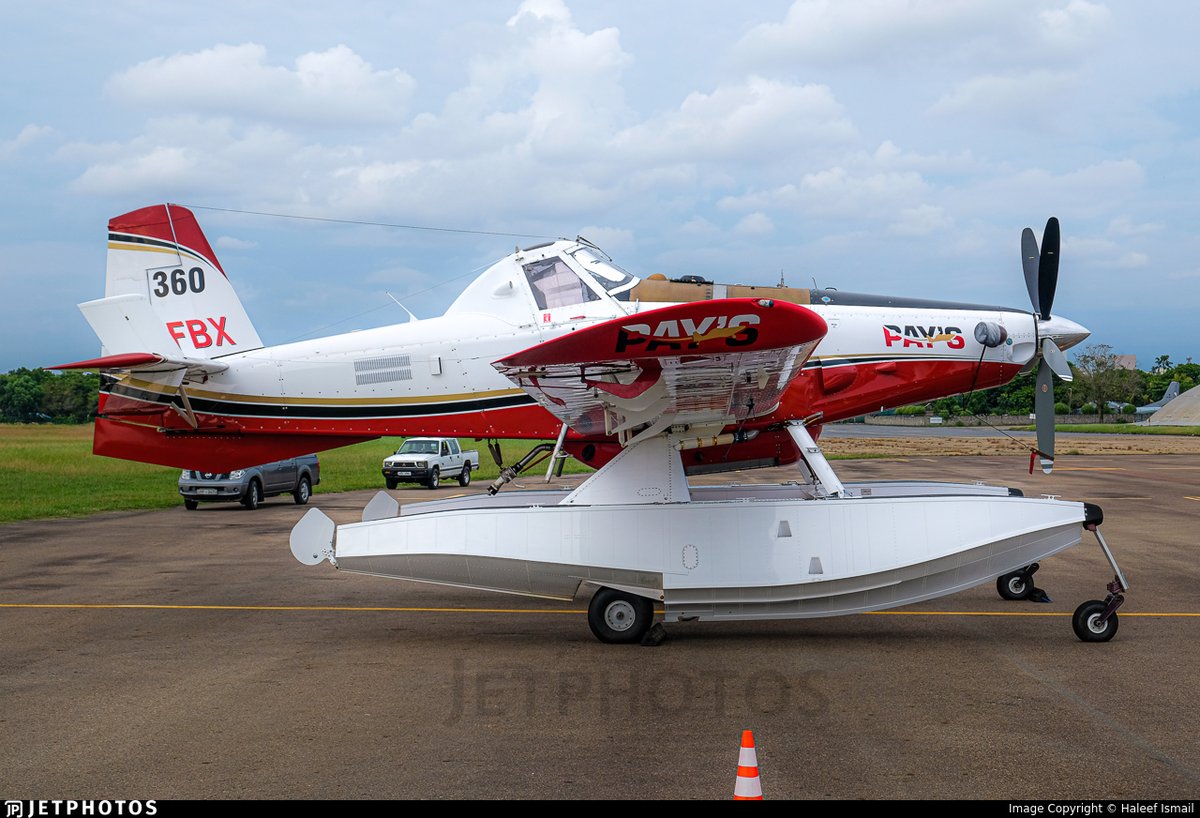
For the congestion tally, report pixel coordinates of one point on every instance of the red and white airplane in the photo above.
(649, 378)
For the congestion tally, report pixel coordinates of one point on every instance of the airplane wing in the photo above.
(704, 364)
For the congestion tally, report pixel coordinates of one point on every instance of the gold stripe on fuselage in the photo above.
(156, 388)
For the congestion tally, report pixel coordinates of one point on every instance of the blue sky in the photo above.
(894, 146)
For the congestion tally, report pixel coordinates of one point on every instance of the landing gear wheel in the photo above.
(619, 618)
(1087, 624)
(391, 484)
(435, 477)
(253, 495)
(464, 477)
(191, 505)
(1016, 585)
(302, 492)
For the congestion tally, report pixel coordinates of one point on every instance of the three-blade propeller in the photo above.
(1041, 280)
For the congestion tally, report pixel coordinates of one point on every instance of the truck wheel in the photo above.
(191, 505)
(435, 477)
(464, 477)
(391, 484)
(303, 491)
(254, 495)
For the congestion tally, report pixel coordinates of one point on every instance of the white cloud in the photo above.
(231, 243)
(1022, 99)
(613, 240)
(335, 87)
(920, 221)
(745, 122)
(990, 32)
(1126, 226)
(755, 224)
(27, 136)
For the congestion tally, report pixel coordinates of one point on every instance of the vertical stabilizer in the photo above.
(159, 254)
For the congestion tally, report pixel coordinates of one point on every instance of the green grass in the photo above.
(1120, 429)
(50, 471)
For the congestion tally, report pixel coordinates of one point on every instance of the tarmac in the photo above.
(174, 654)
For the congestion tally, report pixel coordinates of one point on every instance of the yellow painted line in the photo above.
(1191, 498)
(133, 606)
(1017, 613)
(380, 609)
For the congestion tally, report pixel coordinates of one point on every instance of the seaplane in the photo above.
(647, 379)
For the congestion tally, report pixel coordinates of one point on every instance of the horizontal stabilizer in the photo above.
(127, 323)
(146, 362)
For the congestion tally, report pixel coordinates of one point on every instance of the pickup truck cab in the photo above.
(429, 460)
(250, 486)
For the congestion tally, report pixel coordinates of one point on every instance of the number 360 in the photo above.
(178, 282)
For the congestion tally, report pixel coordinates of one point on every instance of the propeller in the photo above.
(1041, 280)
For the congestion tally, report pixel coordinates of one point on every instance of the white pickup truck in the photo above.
(429, 460)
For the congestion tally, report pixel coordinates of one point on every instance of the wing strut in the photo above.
(827, 481)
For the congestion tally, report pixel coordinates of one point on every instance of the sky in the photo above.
(887, 146)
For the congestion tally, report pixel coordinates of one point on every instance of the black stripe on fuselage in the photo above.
(208, 406)
(838, 298)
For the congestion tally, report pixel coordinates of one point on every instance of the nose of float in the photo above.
(1063, 331)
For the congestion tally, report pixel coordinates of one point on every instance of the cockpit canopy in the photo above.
(546, 281)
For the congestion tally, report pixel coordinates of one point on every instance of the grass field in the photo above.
(50, 471)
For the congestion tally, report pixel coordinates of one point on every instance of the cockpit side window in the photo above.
(554, 284)
(611, 278)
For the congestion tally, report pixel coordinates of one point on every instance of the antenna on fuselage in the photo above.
(411, 317)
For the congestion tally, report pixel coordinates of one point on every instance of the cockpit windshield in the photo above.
(611, 278)
(418, 447)
(554, 284)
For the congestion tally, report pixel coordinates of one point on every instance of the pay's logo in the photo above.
(14, 809)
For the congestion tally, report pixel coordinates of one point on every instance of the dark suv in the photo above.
(249, 486)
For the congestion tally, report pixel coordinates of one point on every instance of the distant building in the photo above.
(1125, 361)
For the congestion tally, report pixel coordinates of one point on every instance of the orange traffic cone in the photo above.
(747, 787)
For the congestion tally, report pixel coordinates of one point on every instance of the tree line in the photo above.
(39, 396)
(1099, 380)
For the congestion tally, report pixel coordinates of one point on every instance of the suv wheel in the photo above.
(303, 491)
(254, 495)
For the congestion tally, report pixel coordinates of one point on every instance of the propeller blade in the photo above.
(1029, 262)
(1043, 407)
(1052, 355)
(1048, 269)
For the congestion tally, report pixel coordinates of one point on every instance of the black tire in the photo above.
(254, 495)
(435, 478)
(464, 476)
(1085, 626)
(391, 484)
(619, 618)
(1017, 585)
(191, 505)
(303, 491)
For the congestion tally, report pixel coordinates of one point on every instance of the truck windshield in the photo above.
(418, 447)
